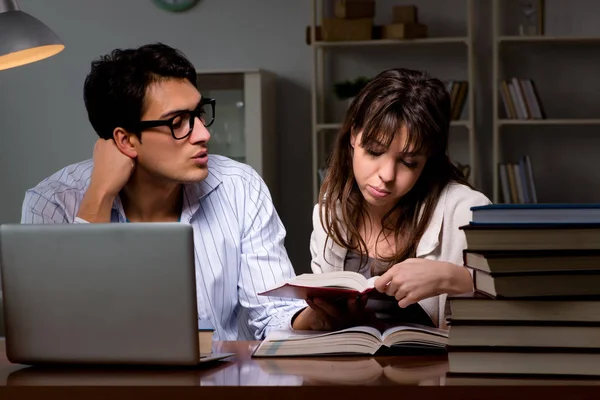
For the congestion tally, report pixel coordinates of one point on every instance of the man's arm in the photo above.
(96, 206)
(38, 209)
(264, 263)
(112, 170)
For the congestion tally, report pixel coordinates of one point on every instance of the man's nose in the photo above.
(200, 133)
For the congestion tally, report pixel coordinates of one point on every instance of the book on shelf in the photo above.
(542, 236)
(532, 260)
(551, 213)
(516, 182)
(458, 91)
(520, 99)
(359, 340)
(478, 308)
(330, 285)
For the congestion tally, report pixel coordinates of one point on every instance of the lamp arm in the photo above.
(8, 5)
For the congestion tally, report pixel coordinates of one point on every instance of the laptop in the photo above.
(100, 294)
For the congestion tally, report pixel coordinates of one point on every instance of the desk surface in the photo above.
(241, 370)
(371, 374)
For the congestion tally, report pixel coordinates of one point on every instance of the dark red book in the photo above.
(331, 285)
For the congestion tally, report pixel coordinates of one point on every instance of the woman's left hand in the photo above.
(416, 279)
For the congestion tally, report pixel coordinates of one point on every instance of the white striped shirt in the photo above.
(238, 240)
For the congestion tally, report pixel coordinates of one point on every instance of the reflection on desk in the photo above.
(359, 371)
(243, 370)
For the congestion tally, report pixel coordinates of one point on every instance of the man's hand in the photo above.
(112, 169)
(322, 315)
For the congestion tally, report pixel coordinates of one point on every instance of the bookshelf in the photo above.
(320, 126)
(500, 120)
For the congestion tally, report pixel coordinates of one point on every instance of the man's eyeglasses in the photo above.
(183, 123)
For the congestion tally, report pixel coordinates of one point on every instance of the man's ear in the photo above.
(126, 142)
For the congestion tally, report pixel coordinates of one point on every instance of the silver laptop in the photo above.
(99, 293)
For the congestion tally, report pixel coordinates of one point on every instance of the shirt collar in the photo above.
(431, 237)
(193, 193)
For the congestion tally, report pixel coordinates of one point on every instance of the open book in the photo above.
(352, 341)
(338, 284)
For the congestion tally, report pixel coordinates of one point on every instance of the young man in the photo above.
(151, 164)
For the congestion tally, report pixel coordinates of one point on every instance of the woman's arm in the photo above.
(416, 279)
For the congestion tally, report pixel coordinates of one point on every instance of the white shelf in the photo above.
(395, 42)
(500, 41)
(463, 123)
(549, 121)
(324, 127)
(461, 44)
(549, 39)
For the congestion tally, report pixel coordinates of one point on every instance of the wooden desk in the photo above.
(244, 377)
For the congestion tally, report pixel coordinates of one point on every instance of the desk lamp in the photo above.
(23, 38)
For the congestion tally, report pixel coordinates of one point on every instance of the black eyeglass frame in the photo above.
(143, 125)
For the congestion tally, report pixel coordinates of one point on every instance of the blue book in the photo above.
(205, 325)
(540, 213)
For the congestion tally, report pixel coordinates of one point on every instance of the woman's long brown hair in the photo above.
(394, 98)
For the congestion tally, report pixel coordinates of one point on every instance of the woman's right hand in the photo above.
(323, 315)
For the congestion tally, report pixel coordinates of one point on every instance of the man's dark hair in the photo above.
(115, 89)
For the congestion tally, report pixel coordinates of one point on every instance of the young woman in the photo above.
(392, 204)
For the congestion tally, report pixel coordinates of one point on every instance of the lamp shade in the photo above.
(23, 38)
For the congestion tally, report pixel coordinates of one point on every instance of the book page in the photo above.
(357, 340)
(415, 327)
(342, 279)
(303, 335)
(413, 334)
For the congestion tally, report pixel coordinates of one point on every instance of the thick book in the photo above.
(532, 260)
(359, 340)
(571, 283)
(480, 308)
(551, 213)
(330, 285)
(532, 236)
(524, 360)
(513, 335)
(205, 336)
(466, 379)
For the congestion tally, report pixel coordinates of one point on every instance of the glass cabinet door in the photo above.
(228, 130)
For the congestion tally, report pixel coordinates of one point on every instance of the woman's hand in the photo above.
(416, 279)
(323, 315)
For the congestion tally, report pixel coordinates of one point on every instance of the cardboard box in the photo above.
(405, 14)
(376, 33)
(353, 9)
(335, 29)
(404, 31)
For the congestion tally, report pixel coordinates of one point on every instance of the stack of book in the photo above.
(536, 305)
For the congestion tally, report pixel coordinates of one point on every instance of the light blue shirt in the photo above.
(238, 240)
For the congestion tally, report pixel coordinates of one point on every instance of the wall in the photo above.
(43, 124)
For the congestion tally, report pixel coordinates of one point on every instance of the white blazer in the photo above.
(442, 240)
